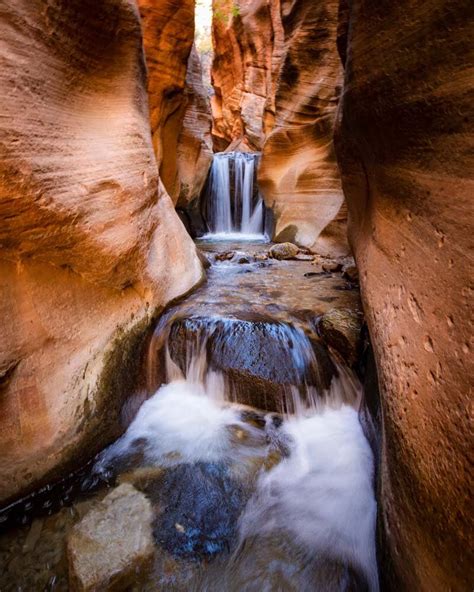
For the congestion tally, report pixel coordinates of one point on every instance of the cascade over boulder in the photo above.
(403, 148)
(277, 77)
(91, 247)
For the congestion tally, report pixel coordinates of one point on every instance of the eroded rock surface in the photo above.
(194, 155)
(112, 543)
(90, 244)
(407, 176)
(277, 77)
(179, 108)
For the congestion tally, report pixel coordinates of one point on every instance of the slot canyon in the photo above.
(235, 295)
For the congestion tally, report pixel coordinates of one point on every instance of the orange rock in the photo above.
(91, 247)
(179, 108)
(404, 155)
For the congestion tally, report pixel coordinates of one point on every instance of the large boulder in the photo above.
(283, 251)
(261, 359)
(404, 152)
(91, 247)
(112, 543)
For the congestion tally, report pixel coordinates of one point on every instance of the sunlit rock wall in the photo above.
(91, 246)
(277, 79)
(404, 149)
(176, 97)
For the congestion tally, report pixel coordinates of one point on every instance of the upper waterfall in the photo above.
(232, 202)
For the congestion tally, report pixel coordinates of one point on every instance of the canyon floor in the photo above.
(301, 315)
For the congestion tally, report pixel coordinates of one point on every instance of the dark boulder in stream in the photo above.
(201, 505)
(261, 359)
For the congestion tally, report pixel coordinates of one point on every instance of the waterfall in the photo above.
(233, 206)
(293, 490)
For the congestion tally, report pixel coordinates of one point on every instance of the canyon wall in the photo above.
(179, 108)
(194, 151)
(277, 78)
(404, 149)
(91, 247)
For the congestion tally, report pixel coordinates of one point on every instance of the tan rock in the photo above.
(112, 543)
(404, 151)
(331, 266)
(283, 251)
(91, 247)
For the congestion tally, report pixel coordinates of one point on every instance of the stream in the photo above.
(247, 440)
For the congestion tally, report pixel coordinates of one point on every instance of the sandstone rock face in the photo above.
(113, 541)
(194, 155)
(90, 244)
(298, 174)
(241, 72)
(277, 77)
(179, 108)
(403, 151)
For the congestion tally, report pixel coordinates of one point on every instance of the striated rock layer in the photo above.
(179, 108)
(194, 154)
(91, 247)
(403, 147)
(277, 78)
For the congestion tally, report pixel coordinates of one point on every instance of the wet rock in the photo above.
(332, 266)
(351, 273)
(202, 503)
(283, 251)
(143, 478)
(240, 257)
(340, 329)
(260, 359)
(203, 259)
(304, 257)
(224, 256)
(253, 418)
(261, 257)
(33, 535)
(111, 543)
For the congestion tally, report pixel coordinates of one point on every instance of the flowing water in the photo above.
(249, 447)
(234, 207)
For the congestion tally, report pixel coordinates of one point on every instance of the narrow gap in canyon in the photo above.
(194, 394)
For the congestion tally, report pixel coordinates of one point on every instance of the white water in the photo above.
(242, 219)
(320, 493)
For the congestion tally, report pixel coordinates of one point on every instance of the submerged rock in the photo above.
(202, 503)
(284, 251)
(111, 543)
